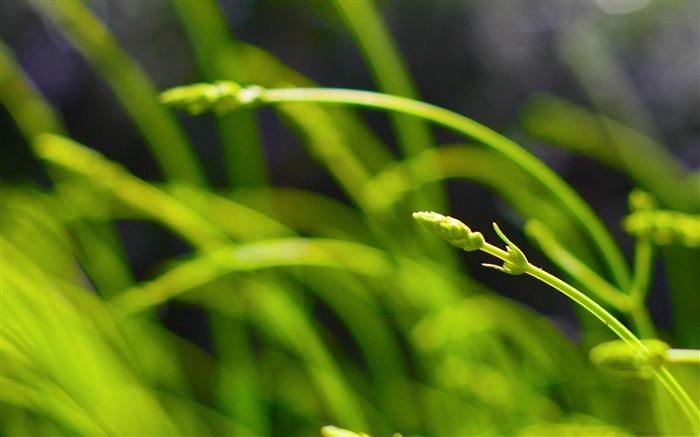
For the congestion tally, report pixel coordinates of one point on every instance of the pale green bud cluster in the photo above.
(451, 230)
(219, 97)
(663, 227)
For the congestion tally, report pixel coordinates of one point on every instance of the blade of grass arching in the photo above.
(321, 216)
(33, 116)
(242, 221)
(587, 219)
(72, 355)
(30, 110)
(645, 161)
(485, 167)
(362, 313)
(137, 94)
(128, 190)
(217, 57)
(391, 76)
(328, 144)
(267, 70)
(252, 257)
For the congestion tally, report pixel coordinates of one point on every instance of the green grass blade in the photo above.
(30, 110)
(269, 71)
(129, 190)
(391, 75)
(72, 358)
(33, 116)
(217, 57)
(587, 219)
(646, 162)
(135, 91)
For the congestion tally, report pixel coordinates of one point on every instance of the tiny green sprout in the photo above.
(516, 262)
(451, 230)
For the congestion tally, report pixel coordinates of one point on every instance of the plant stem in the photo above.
(515, 263)
(217, 55)
(641, 275)
(604, 242)
(662, 373)
(683, 356)
(138, 95)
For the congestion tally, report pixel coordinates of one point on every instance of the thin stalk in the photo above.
(381, 54)
(391, 75)
(217, 56)
(34, 115)
(641, 275)
(604, 242)
(515, 263)
(569, 263)
(30, 110)
(662, 373)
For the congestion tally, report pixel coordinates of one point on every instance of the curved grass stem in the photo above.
(515, 263)
(596, 231)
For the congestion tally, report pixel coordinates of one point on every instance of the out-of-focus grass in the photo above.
(319, 311)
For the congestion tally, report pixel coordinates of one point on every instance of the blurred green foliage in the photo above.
(318, 311)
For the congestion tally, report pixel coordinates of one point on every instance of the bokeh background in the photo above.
(635, 61)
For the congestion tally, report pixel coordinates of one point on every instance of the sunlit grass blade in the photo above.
(254, 256)
(135, 91)
(648, 163)
(269, 71)
(217, 56)
(33, 116)
(70, 357)
(391, 75)
(129, 190)
(323, 216)
(30, 110)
